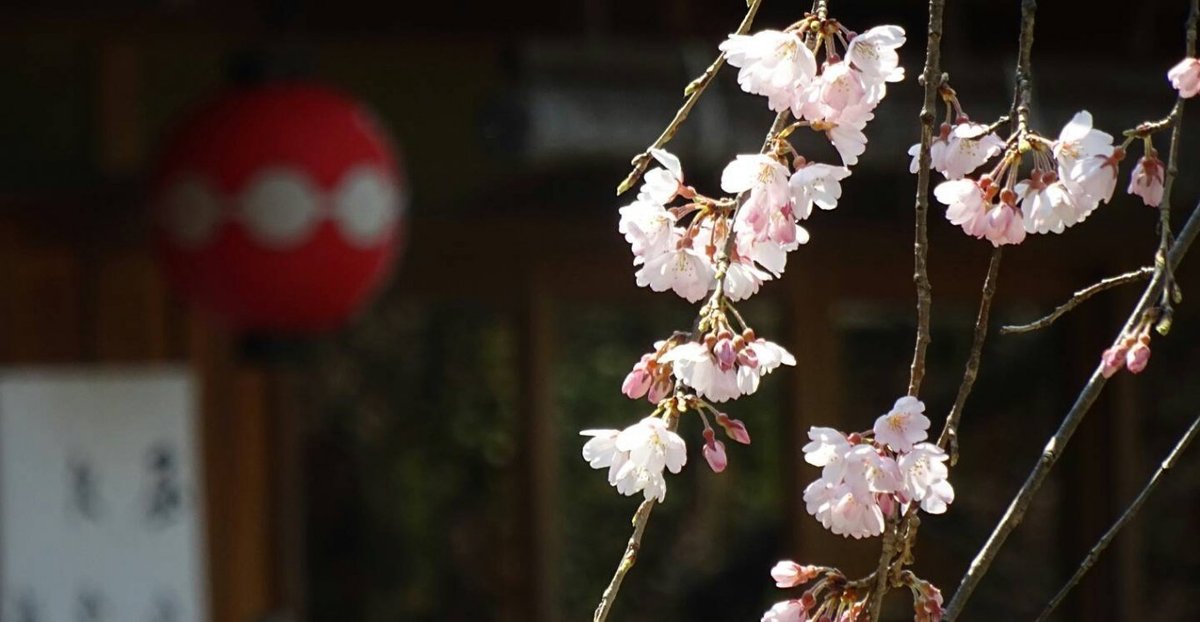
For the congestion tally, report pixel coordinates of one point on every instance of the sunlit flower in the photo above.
(925, 477)
(1185, 77)
(1147, 180)
(903, 425)
(816, 184)
(636, 456)
(772, 63)
(660, 185)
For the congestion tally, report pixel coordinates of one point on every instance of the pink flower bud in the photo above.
(660, 389)
(725, 354)
(734, 429)
(637, 383)
(790, 574)
(1137, 357)
(1113, 360)
(1147, 180)
(714, 452)
(887, 504)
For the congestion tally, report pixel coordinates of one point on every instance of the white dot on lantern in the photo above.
(366, 205)
(190, 212)
(280, 207)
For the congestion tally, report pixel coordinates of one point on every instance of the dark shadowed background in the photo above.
(423, 462)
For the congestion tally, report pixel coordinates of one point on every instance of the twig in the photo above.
(1127, 516)
(949, 436)
(1079, 297)
(1162, 280)
(931, 79)
(692, 92)
(640, 518)
(1050, 453)
(1164, 209)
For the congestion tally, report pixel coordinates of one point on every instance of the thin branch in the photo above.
(949, 436)
(931, 79)
(1079, 297)
(1057, 443)
(640, 518)
(1166, 262)
(1127, 516)
(692, 92)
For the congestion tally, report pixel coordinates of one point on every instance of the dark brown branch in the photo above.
(640, 518)
(949, 437)
(931, 79)
(1079, 297)
(692, 92)
(1054, 447)
(1162, 281)
(1127, 516)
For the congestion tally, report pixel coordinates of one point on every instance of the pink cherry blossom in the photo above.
(903, 425)
(851, 515)
(772, 63)
(1047, 204)
(758, 173)
(1185, 77)
(874, 54)
(786, 611)
(816, 184)
(958, 151)
(827, 448)
(1147, 180)
(679, 267)
(867, 471)
(925, 477)
(637, 382)
(647, 227)
(734, 429)
(839, 88)
(964, 201)
(846, 134)
(1087, 163)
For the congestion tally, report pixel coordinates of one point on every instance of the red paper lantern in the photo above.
(278, 208)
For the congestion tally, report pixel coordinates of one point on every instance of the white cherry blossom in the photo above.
(903, 425)
(925, 477)
(1047, 207)
(1146, 181)
(772, 63)
(816, 184)
(636, 456)
(1185, 77)
(679, 267)
(874, 54)
(660, 185)
(647, 227)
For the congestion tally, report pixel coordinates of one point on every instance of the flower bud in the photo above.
(734, 428)
(1137, 357)
(637, 383)
(725, 354)
(1113, 360)
(714, 452)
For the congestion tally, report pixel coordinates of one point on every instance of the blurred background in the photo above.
(400, 443)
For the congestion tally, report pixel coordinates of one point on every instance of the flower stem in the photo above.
(1078, 299)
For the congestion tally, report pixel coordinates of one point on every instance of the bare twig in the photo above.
(692, 92)
(1054, 447)
(1079, 297)
(1164, 209)
(949, 437)
(1161, 282)
(931, 78)
(640, 518)
(1127, 516)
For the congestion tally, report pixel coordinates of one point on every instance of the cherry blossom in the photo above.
(772, 63)
(874, 54)
(680, 268)
(636, 456)
(838, 89)
(816, 184)
(1185, 77)
(758, 173)
(1087, 162)
(714, 452)
(904, 425)
(648, 227)
(719, 377)
(827, 449)
(957, 151)
(1047, 203)
(660, 185)
(786, 611)
(1138, 356)
(925, 477)
(1147, 180)
(846, 134)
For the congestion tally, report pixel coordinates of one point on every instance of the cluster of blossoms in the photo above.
(1070, 176)
(870, 476)
(832, 598)
(694, 245)
(1132, 350)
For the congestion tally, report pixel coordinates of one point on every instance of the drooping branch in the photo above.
(640, 518)
(931, 80)
(948, 439)
(1162, 281)
(1127, 516)
(1078, 299)
(1057, 443)
(692, 93)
